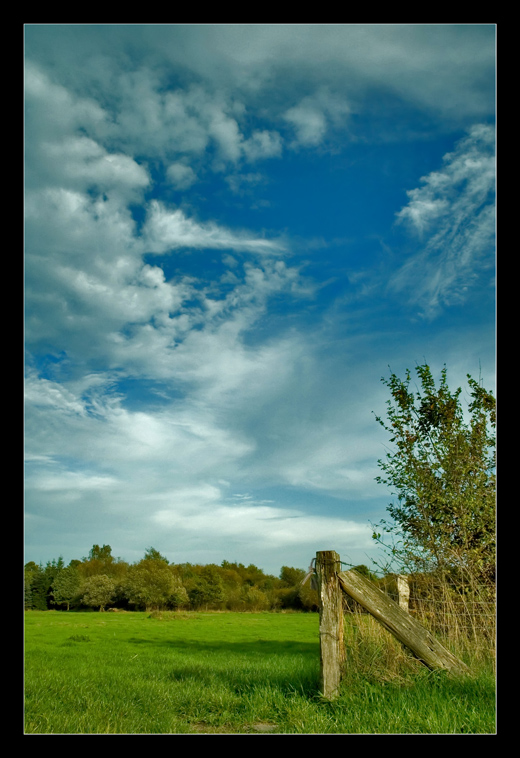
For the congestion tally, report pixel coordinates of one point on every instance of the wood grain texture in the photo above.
(332, 648)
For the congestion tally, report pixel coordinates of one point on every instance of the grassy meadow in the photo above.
(233, 673)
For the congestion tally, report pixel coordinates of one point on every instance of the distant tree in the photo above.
(98, 591)
(151, 554)
(251, 575)
(233, 565)
(308, 597)
(151, 584)
(39, 591)
(254, 576)
(289, 597)
(231, 577)
(291, 577)
(290, 593)
(253, 598)
(101, 561)
(66, 586)
(102, 554)
(442, 469)
(31, 570)
(178, 597)
(206, 589)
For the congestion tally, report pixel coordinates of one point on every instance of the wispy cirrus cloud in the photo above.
(452, 215)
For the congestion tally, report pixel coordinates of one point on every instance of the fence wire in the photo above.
(464, 615)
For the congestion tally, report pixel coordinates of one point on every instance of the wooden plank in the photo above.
(397, 621)
(332, 649)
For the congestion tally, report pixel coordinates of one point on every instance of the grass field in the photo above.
(230, 673)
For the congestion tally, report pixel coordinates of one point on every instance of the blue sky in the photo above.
(232, 233)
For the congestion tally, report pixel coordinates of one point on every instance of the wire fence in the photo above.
(464, 616)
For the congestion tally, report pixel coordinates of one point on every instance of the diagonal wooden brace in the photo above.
(397, 621)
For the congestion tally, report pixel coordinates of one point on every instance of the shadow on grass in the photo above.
(260, 646)
(243, 666)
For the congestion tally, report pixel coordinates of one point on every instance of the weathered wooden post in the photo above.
(332, 651)
(403, 591)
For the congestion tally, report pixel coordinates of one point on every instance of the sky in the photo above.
(232, 234)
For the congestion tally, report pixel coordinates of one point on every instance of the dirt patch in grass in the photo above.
(262, 727)
(202, 727)
(259, 727)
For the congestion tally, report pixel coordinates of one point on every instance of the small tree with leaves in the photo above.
(41, 581)
(66, 586)
(206, 589)
(441, 468)
(98, 591)
(151, 584)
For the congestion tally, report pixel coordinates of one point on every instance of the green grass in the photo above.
(232, 673)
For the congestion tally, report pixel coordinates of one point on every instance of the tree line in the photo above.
(101, 581)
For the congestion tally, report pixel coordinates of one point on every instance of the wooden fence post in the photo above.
(403, 591)
(332, 651)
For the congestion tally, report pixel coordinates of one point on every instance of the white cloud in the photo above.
(85, 278)
(314, 115)
(89, 422)
(52, 110)
(309, 123)
(260, 525)
(181, 176)
(224, 70)
(263, 144)
(441, 68)
(72, 481)
(80, 162)
(244, 184)
(138, 116)
(422, 211)
(453, 214)
(464, 182)
(76, 228)
(44, 393)
(169, 229)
